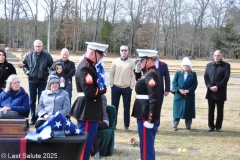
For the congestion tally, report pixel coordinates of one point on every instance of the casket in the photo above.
(13, 128)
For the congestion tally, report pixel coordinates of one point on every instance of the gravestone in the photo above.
(10, 55)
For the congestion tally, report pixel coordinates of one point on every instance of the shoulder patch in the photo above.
(151, 82)
(161, 63)
(89, 79)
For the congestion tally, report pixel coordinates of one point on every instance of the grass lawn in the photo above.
(200, 144)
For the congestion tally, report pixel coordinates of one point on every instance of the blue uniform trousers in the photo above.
(147, 138)
(90, 127)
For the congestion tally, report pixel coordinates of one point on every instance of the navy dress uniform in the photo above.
(87, 108)
(146, 105)
(165, 79)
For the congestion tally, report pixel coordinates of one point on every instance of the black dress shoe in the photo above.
(218, 130)
(210, 129)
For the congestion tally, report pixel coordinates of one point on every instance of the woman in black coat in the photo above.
(6, 69)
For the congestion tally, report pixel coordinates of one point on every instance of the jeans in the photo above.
(34, 91)
(126, 95)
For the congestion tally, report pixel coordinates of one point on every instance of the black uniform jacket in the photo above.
(217, 75)
(89, 106)
(148, 84)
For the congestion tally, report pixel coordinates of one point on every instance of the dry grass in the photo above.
(199, 143)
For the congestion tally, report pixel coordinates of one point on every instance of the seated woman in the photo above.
(52, 99)
(14, 97)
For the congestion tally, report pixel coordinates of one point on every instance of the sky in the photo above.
(41, 11)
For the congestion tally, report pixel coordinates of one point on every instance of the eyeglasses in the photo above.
(18, 82)
(123, 50)
(2, 55)
(55, 83)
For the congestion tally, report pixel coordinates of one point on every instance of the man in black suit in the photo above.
(216, 77)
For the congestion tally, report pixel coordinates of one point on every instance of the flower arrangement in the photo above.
(134, 142)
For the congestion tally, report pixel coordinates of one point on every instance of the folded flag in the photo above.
(60, 123)
(100, 75)
(71, 128)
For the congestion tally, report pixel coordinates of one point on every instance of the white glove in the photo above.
(138, 67)
(148, 125)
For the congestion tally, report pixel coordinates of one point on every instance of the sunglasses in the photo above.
(124, 50)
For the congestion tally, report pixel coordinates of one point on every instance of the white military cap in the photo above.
(100, 48)
(144, 53)
(186, 62)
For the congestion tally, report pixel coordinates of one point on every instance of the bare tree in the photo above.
(198, 12)
(135, 11)
(6, 23)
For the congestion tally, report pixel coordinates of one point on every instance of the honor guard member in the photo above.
(165, 83)
(147, 101)
(87, 108)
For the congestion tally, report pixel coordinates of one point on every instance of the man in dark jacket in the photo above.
(69, 68)
(36, 66)
(165, 86)
(216, 77)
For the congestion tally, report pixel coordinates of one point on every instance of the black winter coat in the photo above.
(217, 75)
(6, 69)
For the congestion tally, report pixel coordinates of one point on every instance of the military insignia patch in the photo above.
(152, 82)
(89, 79)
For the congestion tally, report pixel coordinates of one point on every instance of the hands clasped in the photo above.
(183, 92)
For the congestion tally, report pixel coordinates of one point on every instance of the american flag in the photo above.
(60, 123)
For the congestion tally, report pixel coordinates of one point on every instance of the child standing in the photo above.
(65, 84)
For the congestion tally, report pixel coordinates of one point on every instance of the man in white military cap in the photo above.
(146, 103)
(87, 108)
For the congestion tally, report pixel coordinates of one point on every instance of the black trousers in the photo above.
(211, 109)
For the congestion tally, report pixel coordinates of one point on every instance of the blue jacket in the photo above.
(164, 76)
(18, 102)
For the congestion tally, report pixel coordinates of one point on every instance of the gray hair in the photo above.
(65, 50)
(9, 81)
(38, 41)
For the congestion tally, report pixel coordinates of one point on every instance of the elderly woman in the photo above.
(6, 69)
(52, 100)
(14, 98)
(184, 83)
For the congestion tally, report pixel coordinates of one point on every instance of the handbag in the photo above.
(8, 115)
(172, 90)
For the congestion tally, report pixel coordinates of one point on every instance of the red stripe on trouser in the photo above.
(23, 147)
(86, 130)
(144, 142)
